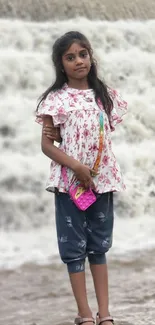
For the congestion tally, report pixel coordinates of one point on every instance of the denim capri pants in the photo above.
(84, 234)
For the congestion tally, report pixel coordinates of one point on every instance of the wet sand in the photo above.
(41, 295)
(68, 9)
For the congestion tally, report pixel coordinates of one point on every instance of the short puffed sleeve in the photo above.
(118, 110)
(53, 106)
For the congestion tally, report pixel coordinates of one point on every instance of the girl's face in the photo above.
(76, 62)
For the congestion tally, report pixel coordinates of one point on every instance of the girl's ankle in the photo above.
(103, 313)
(85, 313)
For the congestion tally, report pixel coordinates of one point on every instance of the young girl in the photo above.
(69, 111)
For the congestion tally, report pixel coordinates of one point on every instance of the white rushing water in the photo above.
(125, 54)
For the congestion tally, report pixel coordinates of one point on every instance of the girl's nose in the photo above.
(79, 60)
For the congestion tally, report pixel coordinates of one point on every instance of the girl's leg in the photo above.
(100, 278)
(72, 242)
(78, 284)
(99, 241)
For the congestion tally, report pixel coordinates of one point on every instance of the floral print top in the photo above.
(77, 114)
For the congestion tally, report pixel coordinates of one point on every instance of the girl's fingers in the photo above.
(50, 137)
(52, 134)
(89, 184)
(93, 172)
(49, 126)
(93, 186)
(49, 133)
(49, 130)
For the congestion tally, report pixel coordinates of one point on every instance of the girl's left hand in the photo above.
(52, 133)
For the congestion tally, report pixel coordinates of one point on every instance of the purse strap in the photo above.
(101, 142)
(98, 159)
(64, 175)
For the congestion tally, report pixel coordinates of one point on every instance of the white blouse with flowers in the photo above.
(77, 114)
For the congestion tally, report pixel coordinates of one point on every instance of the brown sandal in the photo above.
(80, 320)
(99, 320)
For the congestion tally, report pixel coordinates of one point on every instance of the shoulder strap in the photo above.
(64, 175)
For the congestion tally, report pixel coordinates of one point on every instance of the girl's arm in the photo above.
(52, 132)
(50, 150)
(82, 172)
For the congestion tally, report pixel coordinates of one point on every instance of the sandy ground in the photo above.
(41, 295)
(63, 9)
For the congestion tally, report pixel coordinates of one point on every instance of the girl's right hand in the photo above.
(52, 133)
(83, 174)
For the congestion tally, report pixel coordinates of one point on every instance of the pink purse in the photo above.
(84, 198)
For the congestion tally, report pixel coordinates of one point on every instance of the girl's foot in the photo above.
(104, 320)
(84, 320)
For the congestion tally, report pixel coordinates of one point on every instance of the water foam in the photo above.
(125, 53)
(131, 237)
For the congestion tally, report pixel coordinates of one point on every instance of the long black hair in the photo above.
(61, 45)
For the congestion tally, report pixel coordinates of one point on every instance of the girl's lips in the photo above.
(79, 69)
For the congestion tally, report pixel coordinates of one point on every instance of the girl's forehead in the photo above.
(75, 48)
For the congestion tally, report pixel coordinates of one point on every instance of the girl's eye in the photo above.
(84, 55)
(70, 58)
